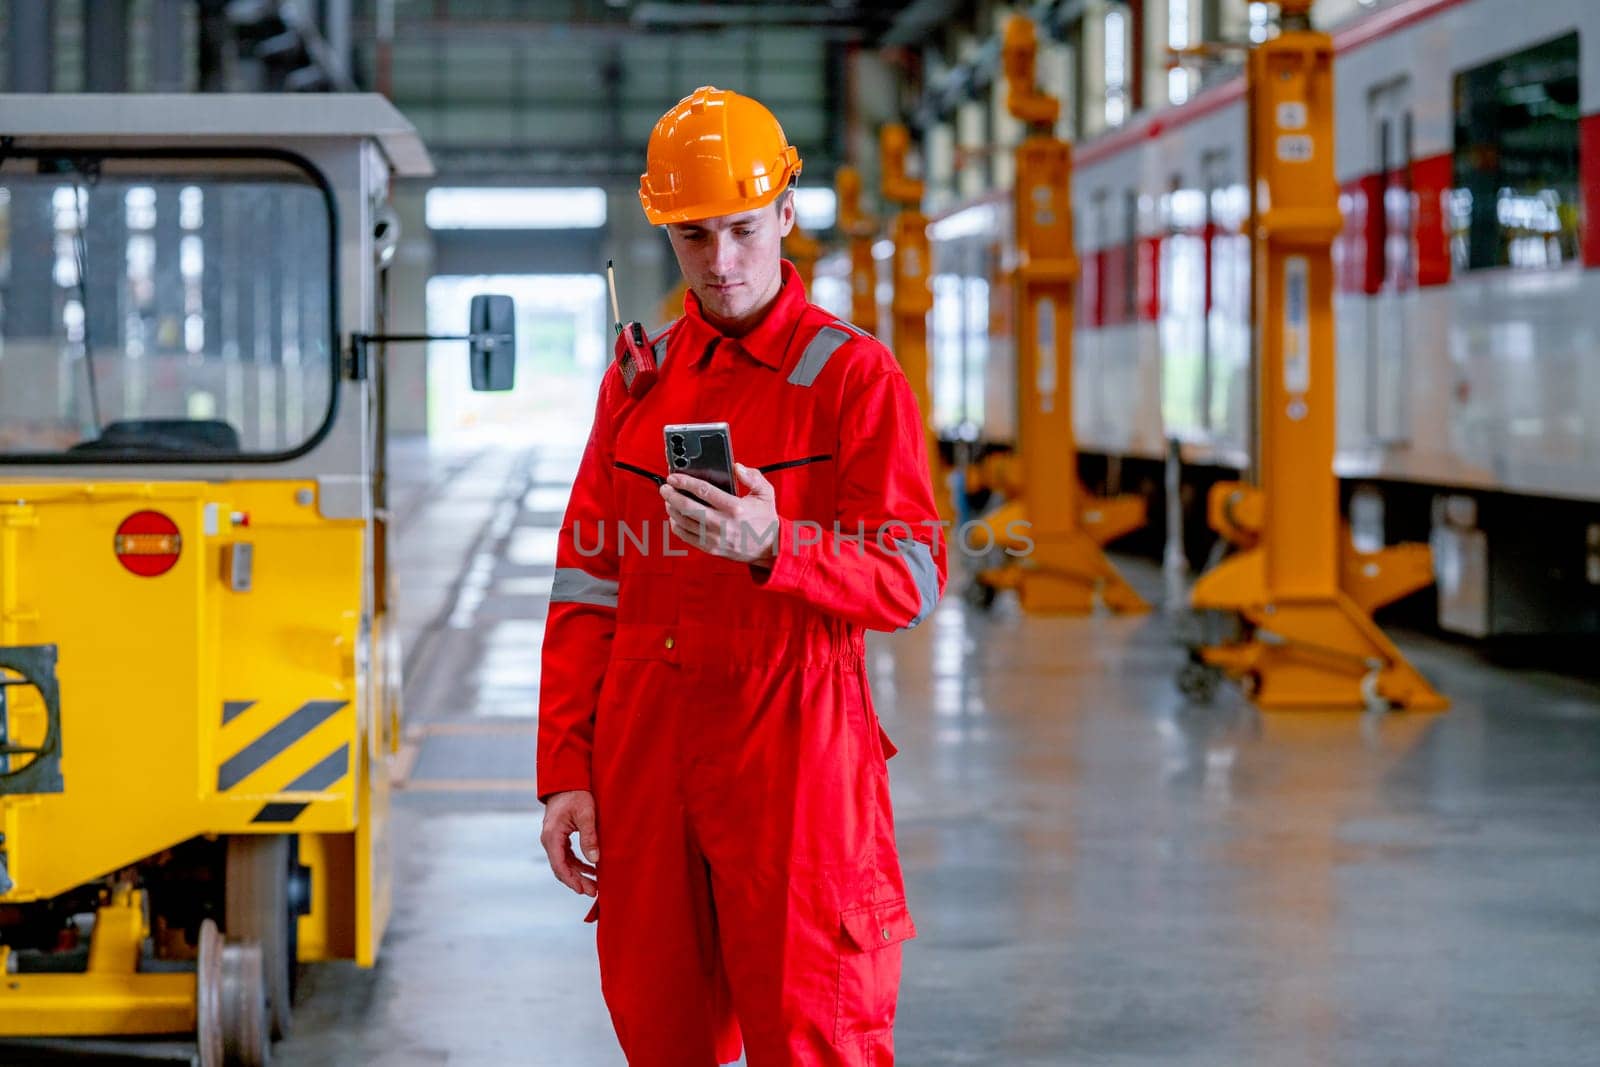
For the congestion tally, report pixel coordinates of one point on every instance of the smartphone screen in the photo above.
(701, 450)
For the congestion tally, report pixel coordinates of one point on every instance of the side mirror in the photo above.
(493, 339)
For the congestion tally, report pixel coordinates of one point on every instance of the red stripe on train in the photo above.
(1431, 179)
(1589, 182)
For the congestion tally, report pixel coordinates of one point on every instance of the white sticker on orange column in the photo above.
(1295, 148)
(1296, 325)
(1044, 343)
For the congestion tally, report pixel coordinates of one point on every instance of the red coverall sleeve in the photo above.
(583, 613)
(883, 565)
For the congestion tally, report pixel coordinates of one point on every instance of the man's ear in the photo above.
(786, 214)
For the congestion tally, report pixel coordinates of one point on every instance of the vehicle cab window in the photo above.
(164, 308)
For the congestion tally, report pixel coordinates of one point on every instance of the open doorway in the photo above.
(562, 345)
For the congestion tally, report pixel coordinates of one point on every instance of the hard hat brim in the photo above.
(701, 212)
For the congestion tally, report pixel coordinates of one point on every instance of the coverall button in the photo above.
(886, 933)
(669, 642)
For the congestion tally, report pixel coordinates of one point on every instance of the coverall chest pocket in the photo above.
(804, 487)
(870, 937)
(640, 535)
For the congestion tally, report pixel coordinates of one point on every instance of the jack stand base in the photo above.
(1375, 579)
(1306, 652)
(1107, 518)
(1067, 574)
(1068, 577)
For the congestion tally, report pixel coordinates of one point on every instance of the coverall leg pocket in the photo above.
(869, 966)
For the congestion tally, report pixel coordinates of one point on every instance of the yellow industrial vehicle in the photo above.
(198, 669)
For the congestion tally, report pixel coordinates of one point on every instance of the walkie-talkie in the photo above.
(635, 360)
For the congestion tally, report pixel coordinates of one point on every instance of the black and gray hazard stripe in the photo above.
(275, 742)
(574, 585)
(924, 572)
(324, 775)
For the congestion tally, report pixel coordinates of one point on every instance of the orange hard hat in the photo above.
(715, 153)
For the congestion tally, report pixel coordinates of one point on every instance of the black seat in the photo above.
(164, 435)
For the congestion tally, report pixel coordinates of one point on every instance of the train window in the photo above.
(161, 310)
(1516, 200)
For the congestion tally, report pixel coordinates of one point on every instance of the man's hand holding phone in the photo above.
(741, 528)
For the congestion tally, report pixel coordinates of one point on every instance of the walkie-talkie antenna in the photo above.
(611, 283)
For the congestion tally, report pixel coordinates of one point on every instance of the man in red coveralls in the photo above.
(704, 706)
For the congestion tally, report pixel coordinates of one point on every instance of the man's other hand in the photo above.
(565, 814)
(741, 528)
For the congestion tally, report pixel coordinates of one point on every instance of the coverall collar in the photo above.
(768, 341)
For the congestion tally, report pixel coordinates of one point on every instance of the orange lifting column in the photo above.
(913, 297)
(859, 228)
(1308, 642)
(803, 251)
(1066, 571)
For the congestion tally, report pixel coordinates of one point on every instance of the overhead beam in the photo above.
(504, 31)
(966, 80)
(665, 14)
(919, 19)
(589, 163)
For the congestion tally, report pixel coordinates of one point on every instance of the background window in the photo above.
(1516, 198)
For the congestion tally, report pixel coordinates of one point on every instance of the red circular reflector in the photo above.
(148, 543)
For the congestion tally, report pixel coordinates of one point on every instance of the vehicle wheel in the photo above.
(245, 1038)
(208, 996)
(261, 909)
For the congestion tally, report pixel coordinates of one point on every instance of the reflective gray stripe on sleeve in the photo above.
(853, 328)
(828, 340)
(573, 585)
(919, 561)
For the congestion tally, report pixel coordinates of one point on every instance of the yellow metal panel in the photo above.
(329, 931)
(119, 929)
(132, 651)
(93, 1005)
(221, 710)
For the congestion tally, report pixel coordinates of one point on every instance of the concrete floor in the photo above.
(1100, 874)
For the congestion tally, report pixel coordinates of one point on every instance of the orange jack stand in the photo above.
(1065, 571)
(1301, 591)
(803, 251)
(859, 228)
(913, 298)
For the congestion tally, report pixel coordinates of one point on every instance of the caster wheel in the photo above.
(231, 1003)
(1198, 682)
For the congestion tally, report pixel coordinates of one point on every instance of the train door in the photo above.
(1391, 268)
(1228, 382)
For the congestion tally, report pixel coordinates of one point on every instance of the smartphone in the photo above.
(701, 450)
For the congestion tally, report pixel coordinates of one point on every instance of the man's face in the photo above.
(731, 262)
